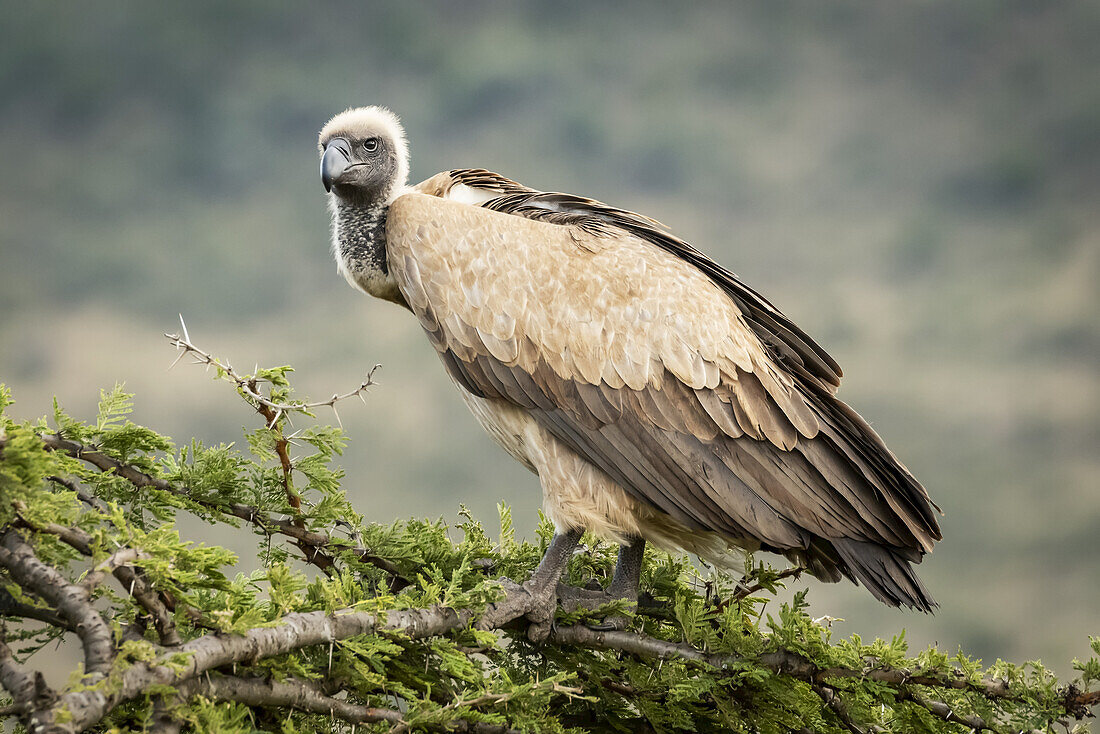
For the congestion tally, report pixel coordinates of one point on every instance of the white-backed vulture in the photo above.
(657, 397)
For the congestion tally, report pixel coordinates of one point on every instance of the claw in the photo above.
(538, 598)
(610, 624)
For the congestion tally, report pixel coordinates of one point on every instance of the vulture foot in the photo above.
(624, 586)
(536, 599)
(573, 599)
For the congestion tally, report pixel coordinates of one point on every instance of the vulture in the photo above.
(657, 397)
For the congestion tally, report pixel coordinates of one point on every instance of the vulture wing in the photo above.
(784, 340)
(650, 364)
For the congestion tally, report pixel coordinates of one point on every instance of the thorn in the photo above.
(184, 327)
(176, 360)
(337, 414)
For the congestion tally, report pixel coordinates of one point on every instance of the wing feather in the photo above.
(700, 417)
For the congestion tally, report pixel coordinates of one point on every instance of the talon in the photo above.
(612, 623)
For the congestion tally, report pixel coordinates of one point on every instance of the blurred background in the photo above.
(916, 184)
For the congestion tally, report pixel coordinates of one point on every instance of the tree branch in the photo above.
(830, 698)
(9, 607)
(72, 601)
(293, 632)
(86, 497)
(110, 565)
(16, 681)
(941, 710)
(296, 631)
(788, 663)
(316, 541)
(291, 693)
(130, 577)
(310, 698)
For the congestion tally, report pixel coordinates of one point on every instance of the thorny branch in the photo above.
(273, 412)
(247, 385)
(745, 590)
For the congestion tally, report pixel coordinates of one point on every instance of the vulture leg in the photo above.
(537, 598)
(624, 585)
(544, 580)
(628, 571)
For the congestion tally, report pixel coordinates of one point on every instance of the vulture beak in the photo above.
(336, 159)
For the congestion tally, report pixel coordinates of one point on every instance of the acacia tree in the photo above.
(409, 626)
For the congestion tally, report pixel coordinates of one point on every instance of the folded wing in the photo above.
(650, 364)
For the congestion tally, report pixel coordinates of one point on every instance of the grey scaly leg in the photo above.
(554, 561)
(537, 598)
(624, 585)
(628, 571)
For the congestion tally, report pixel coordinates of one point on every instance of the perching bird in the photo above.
(657, 397)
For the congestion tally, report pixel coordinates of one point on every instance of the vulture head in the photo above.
(364, 167)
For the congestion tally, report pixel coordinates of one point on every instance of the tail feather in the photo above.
(886, 573)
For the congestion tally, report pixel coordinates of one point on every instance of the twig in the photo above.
(832, 699)
(989, 687)
(272, 412)
(282, 450)
(745, 591)
(82, 494)
(73, 537)
(941, 710)
(185, 346)
(9, 607)
(110, 565)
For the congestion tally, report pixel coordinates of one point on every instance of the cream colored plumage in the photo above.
(656, 396)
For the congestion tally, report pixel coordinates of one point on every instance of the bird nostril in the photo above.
(341, 145)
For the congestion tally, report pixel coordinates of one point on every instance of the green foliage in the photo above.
(468, 676)
(854, 162)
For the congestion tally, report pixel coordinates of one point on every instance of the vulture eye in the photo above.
(370, 145)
